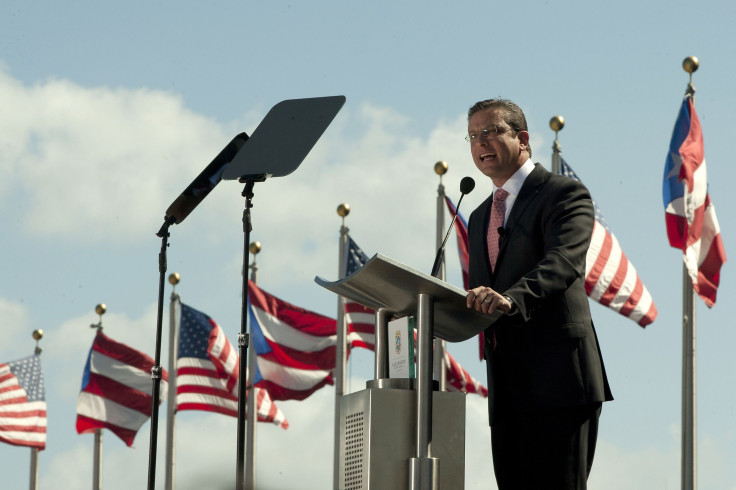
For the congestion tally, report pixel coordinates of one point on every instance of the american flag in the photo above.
(610, 278)
(22, 403)
(207, 370)
(295, 347)
(690, 216)
(359, 319)
(116, 389)
(362, 324)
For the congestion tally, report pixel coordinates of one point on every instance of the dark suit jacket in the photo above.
(547, 352)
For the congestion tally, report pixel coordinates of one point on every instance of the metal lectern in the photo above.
(396, 432)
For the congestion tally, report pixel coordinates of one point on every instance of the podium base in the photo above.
(378, 439)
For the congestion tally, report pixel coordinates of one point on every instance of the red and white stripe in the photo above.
(117, 390)
(612, 280)
(22, 423)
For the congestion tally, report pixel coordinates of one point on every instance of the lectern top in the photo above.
(284, 138)
(385, 283)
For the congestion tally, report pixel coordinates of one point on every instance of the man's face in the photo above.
(500, 152)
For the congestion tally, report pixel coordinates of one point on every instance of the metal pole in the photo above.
(34, 468)
(380, 363)
(170, 481)
(252, 410)
(689, 391)
(340, 352)
(440, 168)
(97, 471)
(423, 469)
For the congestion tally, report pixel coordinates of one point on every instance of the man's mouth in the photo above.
(487, 156)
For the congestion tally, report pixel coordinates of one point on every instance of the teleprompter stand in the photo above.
(275, 149)
(378, 423)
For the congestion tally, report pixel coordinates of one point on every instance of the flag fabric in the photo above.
(116, 389)
(690, 216)
(295, 347)
(461, 229)
(208, 368)
(22, 403)
(610, 278)
(459, 379)
(360, 320)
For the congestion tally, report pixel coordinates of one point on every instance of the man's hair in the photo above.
(513, 115)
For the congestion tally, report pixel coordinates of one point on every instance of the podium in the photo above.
(396, 433)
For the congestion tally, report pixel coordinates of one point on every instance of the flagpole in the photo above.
(341, 352)
(689, 388)
(100, 309)
(251, 410)
(440, 168)
(37, 336)
(170, 481)
(556, 123)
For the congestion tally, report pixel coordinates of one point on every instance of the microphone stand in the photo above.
(441, 251)
(243, 337)
(156, 369)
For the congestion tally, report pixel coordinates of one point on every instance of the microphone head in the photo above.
(467, 185)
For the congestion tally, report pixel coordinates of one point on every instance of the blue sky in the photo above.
(110, 110)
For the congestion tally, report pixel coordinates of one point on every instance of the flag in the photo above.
(690, 216)
(360, 320)
(22, 403)
(295, 347)
(461, 228)
(610, 278)
(208, 368)
(459, 379)
(116, 389)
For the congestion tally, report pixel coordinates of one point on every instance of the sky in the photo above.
(109, 110)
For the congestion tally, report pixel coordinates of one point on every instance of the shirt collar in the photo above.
(513, 185)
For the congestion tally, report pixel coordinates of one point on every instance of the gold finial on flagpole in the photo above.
(100, 309)
(254, 247)
(556, 123)
(440, 168)
(343, 210)
(690, 65)
(37, 335)
(174, 279)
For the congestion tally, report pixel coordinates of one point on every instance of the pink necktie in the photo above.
(498, 211)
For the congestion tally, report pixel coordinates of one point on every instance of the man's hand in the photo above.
(486, 300)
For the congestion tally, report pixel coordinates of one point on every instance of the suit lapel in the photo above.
(527, 194)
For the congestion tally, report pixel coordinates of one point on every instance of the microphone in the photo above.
(467, 184)
(204, 182)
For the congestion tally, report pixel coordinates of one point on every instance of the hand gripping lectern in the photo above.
(400, 433)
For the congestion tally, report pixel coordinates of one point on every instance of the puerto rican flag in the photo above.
(116, 389)
(690, 216)
(295, 347)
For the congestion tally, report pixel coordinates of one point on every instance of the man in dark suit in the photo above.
(527, 247)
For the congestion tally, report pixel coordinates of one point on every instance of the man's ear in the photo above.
(523, 139)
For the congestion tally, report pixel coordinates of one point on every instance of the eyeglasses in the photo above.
(486, 133)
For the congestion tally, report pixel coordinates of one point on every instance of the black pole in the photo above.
(243, 338)
(156, 369)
